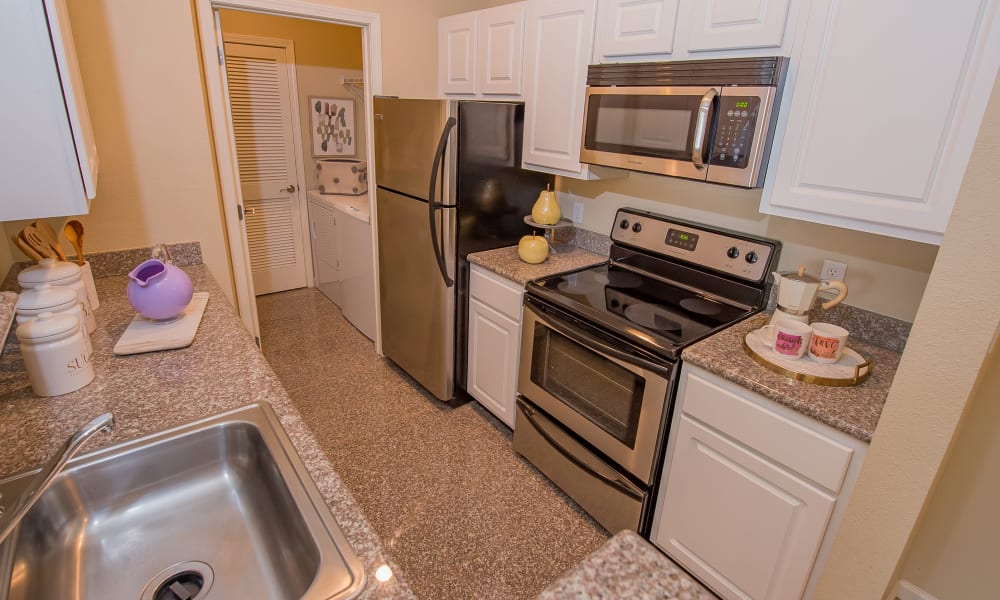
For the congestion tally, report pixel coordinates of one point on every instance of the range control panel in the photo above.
(743, 256)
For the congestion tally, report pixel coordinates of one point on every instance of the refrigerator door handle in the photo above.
(437, 166)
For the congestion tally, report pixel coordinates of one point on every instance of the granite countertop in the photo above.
(221, 370)
(627, 566)
(854, 410)
(506, 263)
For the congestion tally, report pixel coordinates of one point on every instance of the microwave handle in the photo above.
(701, 128)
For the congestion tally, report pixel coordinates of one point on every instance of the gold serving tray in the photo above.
(851, 369)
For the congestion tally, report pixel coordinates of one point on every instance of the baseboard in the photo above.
(907, 591)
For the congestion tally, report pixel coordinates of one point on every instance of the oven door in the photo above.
(662, 130)
(608, 394)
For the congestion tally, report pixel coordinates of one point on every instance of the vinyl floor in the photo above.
(461, 514)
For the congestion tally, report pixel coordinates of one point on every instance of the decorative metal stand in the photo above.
(550, 233)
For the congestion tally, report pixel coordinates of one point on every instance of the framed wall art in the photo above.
(331, 123)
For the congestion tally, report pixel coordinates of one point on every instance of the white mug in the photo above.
(828, 342)
(788, 338)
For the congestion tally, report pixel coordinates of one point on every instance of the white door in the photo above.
(559, 37)
(457, 54)
(500, 50)
(634, 28)
(260, 100)
(494, 344)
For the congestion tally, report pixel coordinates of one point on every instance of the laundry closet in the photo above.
(295, 91)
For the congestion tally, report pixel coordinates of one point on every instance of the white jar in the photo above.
(54, 354)
(62, 273)
(58, 300)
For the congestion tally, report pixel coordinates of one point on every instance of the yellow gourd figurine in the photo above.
(546, 209)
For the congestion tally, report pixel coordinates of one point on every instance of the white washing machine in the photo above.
(340, 227)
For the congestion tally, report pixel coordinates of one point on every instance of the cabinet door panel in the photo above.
(457, 54)
(501, 43)
(746, 527)
(735, 24)
(493, 355)
(634, 27)
(884, 113)
(558, 42)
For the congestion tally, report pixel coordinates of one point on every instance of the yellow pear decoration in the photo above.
(546, 209)
(533, 249)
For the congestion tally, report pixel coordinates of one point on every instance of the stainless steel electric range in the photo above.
(600, 354)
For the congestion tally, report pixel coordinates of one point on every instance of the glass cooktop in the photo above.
(659, 316)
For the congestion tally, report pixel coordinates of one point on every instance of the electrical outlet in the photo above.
(577, 212)
(833, 270)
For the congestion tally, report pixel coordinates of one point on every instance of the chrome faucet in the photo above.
(9, 520)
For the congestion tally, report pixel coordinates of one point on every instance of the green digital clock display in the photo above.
(742, 104)
(681, 239)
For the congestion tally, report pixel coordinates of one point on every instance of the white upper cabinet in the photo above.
(644, 30)
(730, 24)
(501, 45)
(559, 37)
(883, 113)
(48, 166)
(634, 28)
(480, 53)
(457, 54)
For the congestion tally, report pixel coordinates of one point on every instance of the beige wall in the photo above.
(951, 335)
(324, 54)
(140, 68)
(885, 275)
(954, 550)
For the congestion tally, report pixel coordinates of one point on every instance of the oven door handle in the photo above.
(701, 128)
(614, 480)
(585, 339)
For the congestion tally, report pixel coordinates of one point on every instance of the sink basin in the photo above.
(221, 508)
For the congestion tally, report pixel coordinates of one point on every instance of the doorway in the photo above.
(358, 89)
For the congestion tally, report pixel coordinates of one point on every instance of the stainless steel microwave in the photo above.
(711, 120)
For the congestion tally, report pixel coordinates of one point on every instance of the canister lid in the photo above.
(47, 327)
(49, 270)
(46, 297)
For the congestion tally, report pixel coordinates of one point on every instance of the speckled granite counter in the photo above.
(221, 370)
(854, 410)
(627, 566)
(506, 263)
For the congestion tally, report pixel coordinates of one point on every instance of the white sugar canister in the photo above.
(58, 300)
(54, 354)
(61, 273)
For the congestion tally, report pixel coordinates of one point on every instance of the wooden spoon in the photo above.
(50, 237)
(34, 239)
(73, 230)
(23, 245)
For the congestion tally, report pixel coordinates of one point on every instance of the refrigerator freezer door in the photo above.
(406, 135)
(418, 309)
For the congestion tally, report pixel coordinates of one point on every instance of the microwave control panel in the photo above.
(734, 131)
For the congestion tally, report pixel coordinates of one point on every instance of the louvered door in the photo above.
(260, 102)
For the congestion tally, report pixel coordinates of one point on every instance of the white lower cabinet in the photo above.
(494, 342)
(751, 490)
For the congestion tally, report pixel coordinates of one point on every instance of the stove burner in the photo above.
(652, 317)
(701, 306)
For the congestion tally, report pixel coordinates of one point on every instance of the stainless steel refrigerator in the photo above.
(449, 183)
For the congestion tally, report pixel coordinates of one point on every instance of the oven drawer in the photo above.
(493, 290)
(796, 447)
(602, 491)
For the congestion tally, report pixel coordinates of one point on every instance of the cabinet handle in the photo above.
(701, 128)
(290, 189)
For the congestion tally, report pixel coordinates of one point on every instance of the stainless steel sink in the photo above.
(221, 508)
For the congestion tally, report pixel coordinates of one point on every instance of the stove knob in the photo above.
(637, 227)
(623, 224)
(733, 252)
(751, 257)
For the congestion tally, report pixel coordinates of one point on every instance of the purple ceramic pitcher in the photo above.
(158, 290)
